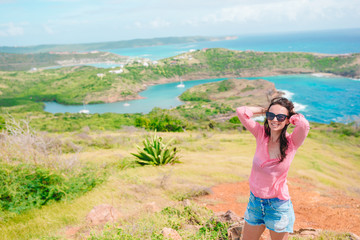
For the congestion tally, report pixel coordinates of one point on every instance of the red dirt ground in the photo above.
(332, 210)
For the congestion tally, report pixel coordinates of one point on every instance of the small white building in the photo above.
(145, 64)
(100, 75)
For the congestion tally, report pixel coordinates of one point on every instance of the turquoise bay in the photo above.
(320, 99)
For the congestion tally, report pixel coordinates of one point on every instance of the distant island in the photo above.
(109, 45)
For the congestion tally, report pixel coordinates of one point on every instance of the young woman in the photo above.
(269, 203)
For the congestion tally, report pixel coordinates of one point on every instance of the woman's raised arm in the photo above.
(301, 130)
(245, 113)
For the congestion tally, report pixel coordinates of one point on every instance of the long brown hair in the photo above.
(284, 102)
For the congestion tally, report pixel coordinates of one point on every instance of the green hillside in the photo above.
(23, 90)
(25, 62)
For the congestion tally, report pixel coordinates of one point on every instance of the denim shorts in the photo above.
(276, 214)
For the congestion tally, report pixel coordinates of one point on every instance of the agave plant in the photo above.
(155, 152)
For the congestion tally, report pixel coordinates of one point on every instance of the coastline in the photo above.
(198, 76)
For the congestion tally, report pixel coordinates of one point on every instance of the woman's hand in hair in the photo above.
(257, 110)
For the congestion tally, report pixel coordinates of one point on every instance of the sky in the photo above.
(35, 22)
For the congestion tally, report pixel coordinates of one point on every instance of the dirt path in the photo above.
(328, 211)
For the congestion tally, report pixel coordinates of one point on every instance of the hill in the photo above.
(25, 62)
(233, 92)
(75, 85)
(108, 45)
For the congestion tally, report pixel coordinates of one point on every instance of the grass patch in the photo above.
(129, 187)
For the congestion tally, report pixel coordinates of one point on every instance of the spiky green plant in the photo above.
(155, 152)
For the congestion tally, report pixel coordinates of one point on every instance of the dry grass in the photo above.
(228, 160)
(21, 144)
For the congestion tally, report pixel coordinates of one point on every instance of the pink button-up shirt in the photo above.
(268, 176)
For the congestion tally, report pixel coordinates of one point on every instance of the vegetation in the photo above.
(156, 153)
(34, 171)
(172, 217)
(49, 161)
(161, 120)
(129, 188)
(27, 186)
(26, 62)
(21, 91)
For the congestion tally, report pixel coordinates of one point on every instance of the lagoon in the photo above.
(321, 99)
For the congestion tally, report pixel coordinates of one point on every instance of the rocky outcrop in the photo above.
(234, 231)
(102, 214)
(170, 233)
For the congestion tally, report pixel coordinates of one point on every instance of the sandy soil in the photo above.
(326, 210)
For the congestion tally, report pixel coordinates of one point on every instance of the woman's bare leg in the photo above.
(252, 232)
(279, 236)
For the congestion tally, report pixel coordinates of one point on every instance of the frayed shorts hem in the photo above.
(280, 231)
(259, 224)
(254, 224)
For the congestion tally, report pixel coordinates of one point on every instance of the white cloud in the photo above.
(153, 24)
(138, 24)
(48, 29)
(68, 22)
(10, 29)
(159, 23)
(279, 11)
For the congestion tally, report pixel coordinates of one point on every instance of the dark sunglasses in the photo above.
(279, 117)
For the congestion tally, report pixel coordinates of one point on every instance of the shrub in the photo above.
(225, 85)
(155, 152)
(19, 143)
(33, 170)
(161, 120)
(2, 122)
(195, 96)
(234, 120)
(25, 186)
(213, 230)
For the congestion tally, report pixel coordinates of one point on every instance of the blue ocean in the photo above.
(320, 98)
(334, 41)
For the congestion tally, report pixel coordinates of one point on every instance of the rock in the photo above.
(152, 207)
(102, 214)
(229, 217)
(237, 223)
(235, 231)
(171, 234)
(307, 233)
(354, 236)
(72, 231)
(186, 203)
(310, 233)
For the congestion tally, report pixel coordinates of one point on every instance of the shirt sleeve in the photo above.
(244, 114)
(301, 130)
